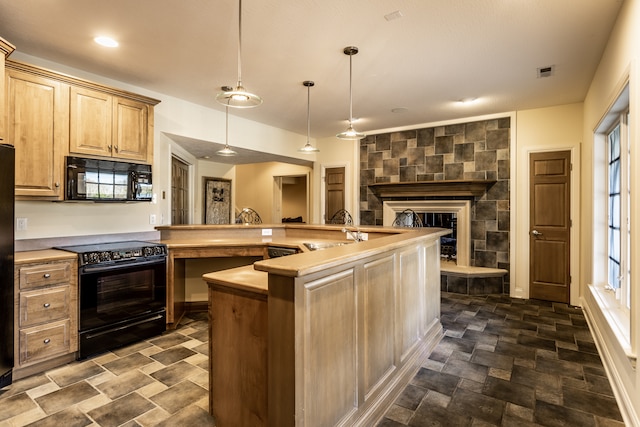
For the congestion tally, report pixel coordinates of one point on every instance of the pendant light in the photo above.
(308, 148)
(350, 133)
(239, 97)
(226, 151)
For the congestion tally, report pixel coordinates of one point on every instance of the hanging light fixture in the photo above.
(239, 97)
(350, 133)
(226, 151)
(308, 148)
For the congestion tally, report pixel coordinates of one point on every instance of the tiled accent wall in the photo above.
(475, 150)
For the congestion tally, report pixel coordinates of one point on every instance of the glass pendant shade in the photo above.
(239, 97)
(226, 151)
(350, 133)
(308, 148)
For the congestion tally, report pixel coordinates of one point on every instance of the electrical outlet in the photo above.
(21, 224)
(152, 219)
(267, 232)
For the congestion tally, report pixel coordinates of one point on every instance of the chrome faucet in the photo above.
(355, 235)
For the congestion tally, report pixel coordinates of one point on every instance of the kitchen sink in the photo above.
(315, 246)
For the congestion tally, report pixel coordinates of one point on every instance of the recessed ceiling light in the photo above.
(393, 15)
(399, 110)
(468, 101)
(106, 41)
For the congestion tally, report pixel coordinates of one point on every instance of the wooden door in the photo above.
(130, 129)
(179, 192)
(334, 191)
(550, 225)
(91, 122)
(36, 116)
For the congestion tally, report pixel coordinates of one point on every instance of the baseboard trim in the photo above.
(196, 306)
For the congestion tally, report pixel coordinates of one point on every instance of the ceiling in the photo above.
(416, 60)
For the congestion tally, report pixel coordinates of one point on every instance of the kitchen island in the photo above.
(320, 338)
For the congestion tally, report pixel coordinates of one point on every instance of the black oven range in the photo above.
(122, 294)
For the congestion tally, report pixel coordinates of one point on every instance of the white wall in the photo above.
(619, 62)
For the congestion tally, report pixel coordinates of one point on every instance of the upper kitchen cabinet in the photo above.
(37, 125)
(110, 126)
(5, 50)
(50, 115)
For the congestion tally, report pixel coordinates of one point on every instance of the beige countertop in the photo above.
(43, 256)
(245, 278)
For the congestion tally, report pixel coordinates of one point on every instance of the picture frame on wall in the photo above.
(217, 200)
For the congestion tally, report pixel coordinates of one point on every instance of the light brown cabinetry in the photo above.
(109, 126)
(5, 50)
(52, 115)
(37, 127)
(46, 311)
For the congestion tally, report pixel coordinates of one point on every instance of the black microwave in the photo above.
(107, 181)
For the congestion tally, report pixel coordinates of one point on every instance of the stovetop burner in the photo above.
(113, 252)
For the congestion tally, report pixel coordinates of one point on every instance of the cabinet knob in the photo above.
(57, 184)
(116, 148)
(47, 341)
(46, 275)
(110, 147)
(46, 305)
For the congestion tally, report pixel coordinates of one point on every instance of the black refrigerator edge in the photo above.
(7, 212)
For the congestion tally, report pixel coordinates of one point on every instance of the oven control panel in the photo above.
(111, 253)
(120, 255)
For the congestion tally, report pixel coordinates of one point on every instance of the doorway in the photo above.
(291, 198)
(550, 226)
(334, 191)
(179, 192)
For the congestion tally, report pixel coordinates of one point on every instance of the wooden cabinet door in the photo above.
(90, 122)
(130, 129)
(5, 50)
(37, 125)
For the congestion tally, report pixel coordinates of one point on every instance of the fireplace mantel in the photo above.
(462, 188)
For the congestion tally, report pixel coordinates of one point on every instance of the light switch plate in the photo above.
(21, 224)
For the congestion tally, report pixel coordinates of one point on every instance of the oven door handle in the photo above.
(128, 325)
(120, 264)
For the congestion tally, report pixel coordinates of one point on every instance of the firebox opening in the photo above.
(448, 244)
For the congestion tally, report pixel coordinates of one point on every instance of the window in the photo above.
(618, 250)
(612, 221)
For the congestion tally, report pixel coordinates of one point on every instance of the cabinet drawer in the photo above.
(45, 274)
(44, 305)
(44, 341)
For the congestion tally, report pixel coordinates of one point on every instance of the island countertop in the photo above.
(299, 336)
(214, 240)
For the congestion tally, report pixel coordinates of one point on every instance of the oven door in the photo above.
(116, 293)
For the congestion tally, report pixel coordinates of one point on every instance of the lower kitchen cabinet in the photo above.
(46, 310)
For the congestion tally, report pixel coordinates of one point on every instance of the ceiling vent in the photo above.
(546, 71)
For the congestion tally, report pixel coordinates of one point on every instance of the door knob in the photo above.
(536, 233)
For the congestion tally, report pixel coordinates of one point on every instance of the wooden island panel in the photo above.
(238, 347)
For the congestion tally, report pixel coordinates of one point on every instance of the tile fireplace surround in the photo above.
(475, 151)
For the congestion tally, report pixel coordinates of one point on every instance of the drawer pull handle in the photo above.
(47, 341)
(46, 275)
(46, 305)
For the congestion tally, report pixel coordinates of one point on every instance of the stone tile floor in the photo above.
(160, 382)
(509, 362)
(502, 361)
